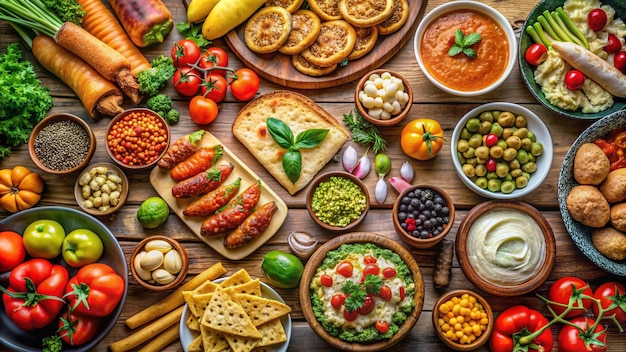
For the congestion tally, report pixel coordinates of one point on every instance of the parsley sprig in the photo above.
(356, 293)
(463, 42)
(364, 132)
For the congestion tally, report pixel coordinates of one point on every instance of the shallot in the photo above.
(350, 159)
(399, 184)
(407, 172)
(363, 168)
(381, 190)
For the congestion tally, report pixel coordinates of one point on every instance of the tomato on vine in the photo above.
(214, 56)
(187, 81)
(202, 110)
(244, 84)
(582, 334)
(214, 87)
(611, 294)
(569, 288)
(185, 52)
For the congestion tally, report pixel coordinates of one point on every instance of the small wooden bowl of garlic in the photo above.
(159, 263)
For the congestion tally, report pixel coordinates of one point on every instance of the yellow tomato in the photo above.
(422, 139)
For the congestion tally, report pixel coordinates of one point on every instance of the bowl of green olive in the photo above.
(501, 150)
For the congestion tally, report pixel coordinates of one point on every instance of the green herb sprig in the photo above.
(463, 42)
(356, 293)
(292, 159)
(364, 132)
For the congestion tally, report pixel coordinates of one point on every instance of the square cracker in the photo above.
(225, 315)
(273, 333)
(261, 310)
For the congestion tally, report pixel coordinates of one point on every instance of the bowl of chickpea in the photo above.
(383, 97)
(137, 138)
(463, 320)
(101, 189)
(501, 150)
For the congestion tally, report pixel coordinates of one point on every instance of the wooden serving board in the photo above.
(163, 183)
(277, 67)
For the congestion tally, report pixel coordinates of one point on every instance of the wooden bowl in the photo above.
(364, 111)
(457, 346)
(160, 150)
(490, 219)
(418, 242)
(154, 286)
(360, 237)
(54, 119)
(326, 177)
(122, 188)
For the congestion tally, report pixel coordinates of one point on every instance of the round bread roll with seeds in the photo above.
(365, 42)
(361, 13)
(290, 5)
(398, 18)
(327, 10)
(334, 43)
(268, 29)
(303, 66)
(305, 27)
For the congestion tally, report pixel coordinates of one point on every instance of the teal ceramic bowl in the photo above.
(581, 234)
(528, 71)
(16, 339)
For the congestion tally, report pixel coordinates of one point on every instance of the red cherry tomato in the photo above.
(185, 52)
(536, 54)
(596, 19)
(382, 326)
(12, 251)
(389, 273)
(491, 139)
(214, 87)
(402, 293)
(337, 300)
(187, 81)
(574, 79)
(244, 84)
(385, 293)
(613, 44)
(611, 293)
(212, 57)
(345, 269)
(368, 305)
(372, 269)
(202, 110)
(619, 61)
(368, 259)
(349, 316)
(326, 280)
(571, 339)
(491, 164)
(561, 291)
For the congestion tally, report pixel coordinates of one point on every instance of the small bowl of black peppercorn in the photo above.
(62, 144)
(423, 215)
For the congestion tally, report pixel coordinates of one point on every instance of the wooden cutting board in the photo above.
(277, 67)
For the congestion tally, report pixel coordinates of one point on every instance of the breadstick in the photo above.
(148, 332)
(175, 299)
(161, 341)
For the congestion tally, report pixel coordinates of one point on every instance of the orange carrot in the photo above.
(98, 95)
(106, 60)
(102, 23)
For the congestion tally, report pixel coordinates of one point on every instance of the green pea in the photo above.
(486, 116)
(506, 119)
(480, 170)
(482, 152)
(515, 164)
(496, 113)
(507, 187)
(502, 169)
(526, 174)
(496, 129)
(520, 121)
(509, 154)
(476, 140)
(469, 170)
(472, 124)
(514, 142)
(465, 134)
(485, 127)
(532, 136)
(462, 146)
(481, 182)
(526, 144)
(469, 153)
(536, 148)
(515, 173)
(494, 185)
(521, 132)
(502, 144)
(530, 167)
(523, 156)
(521, 181)
(471, 161)
(461, 157)
(507, 177)
(507, 132)
(496, 151)
(491, 175)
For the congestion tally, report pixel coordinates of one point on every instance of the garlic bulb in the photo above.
(302, 244)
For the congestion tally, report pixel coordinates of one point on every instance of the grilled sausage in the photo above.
(252, 227)
(181, 150)
(203, 182)
(236, 211)
(209, 203)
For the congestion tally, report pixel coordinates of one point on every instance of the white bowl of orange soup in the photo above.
(461, 74)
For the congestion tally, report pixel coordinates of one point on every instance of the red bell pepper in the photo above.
(520, 328)
(35, 294)
(95, 290)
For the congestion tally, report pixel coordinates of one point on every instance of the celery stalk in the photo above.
(547, 27)
(566, 30)
(555, 27)
(572, 27)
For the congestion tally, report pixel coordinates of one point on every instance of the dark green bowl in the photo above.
(528, 71)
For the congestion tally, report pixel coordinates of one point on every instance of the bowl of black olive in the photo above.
(423, 215)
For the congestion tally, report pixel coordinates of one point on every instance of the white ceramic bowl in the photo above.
(534, 123)
(466, 5)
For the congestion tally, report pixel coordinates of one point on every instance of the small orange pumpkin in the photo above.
(19, 188)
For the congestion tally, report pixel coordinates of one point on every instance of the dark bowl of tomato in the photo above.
(113, 256)
(137, 138)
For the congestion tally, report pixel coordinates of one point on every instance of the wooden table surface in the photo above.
(428, 102)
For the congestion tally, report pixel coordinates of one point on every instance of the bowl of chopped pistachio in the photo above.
(337, 201)
(61, 144)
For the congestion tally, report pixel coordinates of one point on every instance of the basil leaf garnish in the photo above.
(310, 138)
(292, 164)
(280, 132)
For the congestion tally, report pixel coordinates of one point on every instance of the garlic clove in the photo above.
(159, 245)
(143, 274)
(152, 260)
(172, 262)
(363, 168)
(302, 244)
(350, 158)
(381, 190)
(162, 276)
(407, 172)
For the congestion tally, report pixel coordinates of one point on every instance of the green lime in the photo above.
(282, 269)
(153, 212)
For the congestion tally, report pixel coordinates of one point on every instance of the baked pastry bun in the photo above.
(334, 43)
(365, 42)
(268, 29)
(290, 5)
(326, 9)
(361, 13)
(398, 18)
(305, 27)
(302, 65)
